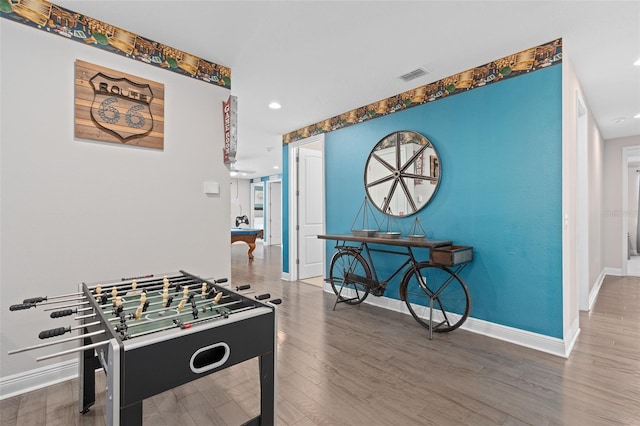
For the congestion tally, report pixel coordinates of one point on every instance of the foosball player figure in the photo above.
(181, 305)
(165, 296)
(122, 328)
(169, 300)
(117, 306)
(194, 307)
(134, 286)
(138, 312)
(203, 293)
(143, 301)
(211, 294)
(98, 292)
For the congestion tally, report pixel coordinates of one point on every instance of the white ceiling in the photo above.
(323, 58)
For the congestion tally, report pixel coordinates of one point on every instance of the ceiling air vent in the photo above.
(418, 72)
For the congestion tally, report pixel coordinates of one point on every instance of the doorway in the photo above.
(630, 206)
(274, 212)
(306, 177)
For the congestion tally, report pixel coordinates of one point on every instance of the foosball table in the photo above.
(150, 334)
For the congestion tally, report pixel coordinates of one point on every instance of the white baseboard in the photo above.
(571, 336)
(616, 272)
(540, 342)
(36, 379)
(593, 294)
(285, 276)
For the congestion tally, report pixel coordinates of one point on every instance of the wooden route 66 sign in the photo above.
(112, 106)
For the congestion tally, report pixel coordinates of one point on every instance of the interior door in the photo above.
(310, 212)
(275, 212)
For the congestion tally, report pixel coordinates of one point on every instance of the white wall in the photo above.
(595, 188)
(613, 214)
(582, 174)
(569, 201)
(240, 200)
(75, 210)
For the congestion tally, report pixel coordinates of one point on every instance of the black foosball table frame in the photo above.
(160, 360)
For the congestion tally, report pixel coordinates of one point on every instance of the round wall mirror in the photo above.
(402, 173)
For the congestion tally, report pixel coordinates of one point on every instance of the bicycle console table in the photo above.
(434, 293)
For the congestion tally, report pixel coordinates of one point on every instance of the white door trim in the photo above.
(629, 153)
(293, 204)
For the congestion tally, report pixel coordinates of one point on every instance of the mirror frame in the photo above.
(398, 173)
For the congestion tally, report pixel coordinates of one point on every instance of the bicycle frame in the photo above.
(376, 283)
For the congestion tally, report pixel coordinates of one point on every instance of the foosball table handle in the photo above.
(53, 332)
(275, 301)
(263, 296)
(63, 313)
(221, 280)
(243, 287)
(34, 300)
(21, 306)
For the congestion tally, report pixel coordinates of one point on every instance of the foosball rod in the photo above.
(186, 311)
(70, 351)
(43, 298)
(189, 323)
(46, 300)
(157, 282)
(246, 308)
(173, 285)
(201, 302)
(65, 340)
(155, 295)
(134, 301)
(200, 320)
(29, 305)
(76, 308)
(62, 330)
(127, 282)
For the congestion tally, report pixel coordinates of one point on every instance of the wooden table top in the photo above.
(402, 241)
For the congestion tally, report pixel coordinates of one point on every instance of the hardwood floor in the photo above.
(369, 366)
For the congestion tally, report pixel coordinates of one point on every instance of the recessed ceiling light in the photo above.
(276, 167)
(620, 120)
(637, 115)
(275, 105)
(637, 62)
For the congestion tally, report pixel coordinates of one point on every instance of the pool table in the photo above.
(247, 235)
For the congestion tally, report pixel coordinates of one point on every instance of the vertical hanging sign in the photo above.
(230, 121)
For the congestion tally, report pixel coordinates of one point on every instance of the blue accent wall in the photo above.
(500, 151)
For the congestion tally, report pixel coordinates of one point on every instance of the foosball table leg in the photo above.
(131, 415)
(267, 389)
(87, 378)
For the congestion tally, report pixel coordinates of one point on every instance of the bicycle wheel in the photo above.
(349, 262)
(424, 284)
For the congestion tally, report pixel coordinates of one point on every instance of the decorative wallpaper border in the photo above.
(55, 19)
(526, 61)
